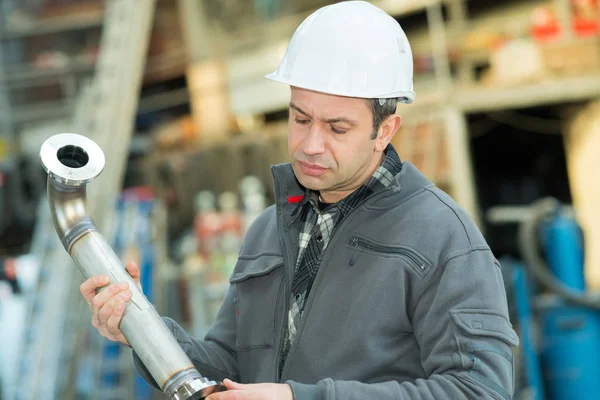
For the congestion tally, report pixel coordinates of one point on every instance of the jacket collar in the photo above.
(290, 195)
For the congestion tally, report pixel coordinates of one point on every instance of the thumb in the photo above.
(231, 385)
(134, 272)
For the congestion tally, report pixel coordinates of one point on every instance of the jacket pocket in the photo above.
(259, 283)
(485, 341)
(415, 260)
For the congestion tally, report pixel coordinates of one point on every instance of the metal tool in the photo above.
(71, 162)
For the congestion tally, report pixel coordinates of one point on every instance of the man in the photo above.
(363, 281)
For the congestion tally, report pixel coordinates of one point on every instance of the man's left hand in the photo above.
(257, 391)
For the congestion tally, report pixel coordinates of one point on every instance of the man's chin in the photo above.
(310, 182)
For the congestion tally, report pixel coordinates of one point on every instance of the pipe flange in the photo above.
(71, 159)
(197, 389)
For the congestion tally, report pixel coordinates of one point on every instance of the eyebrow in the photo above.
(329, 121)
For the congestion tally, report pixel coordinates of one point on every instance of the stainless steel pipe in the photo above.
(71, 162)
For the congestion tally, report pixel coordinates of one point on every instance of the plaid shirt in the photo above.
(319, 223)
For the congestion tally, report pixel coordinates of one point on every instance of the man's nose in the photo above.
(314, 142)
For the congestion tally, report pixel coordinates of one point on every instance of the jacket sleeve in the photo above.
(461, 324)
(215, 356)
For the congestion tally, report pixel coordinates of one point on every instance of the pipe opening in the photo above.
(72, 156)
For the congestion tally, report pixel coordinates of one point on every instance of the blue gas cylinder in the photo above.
(570, 350)
(562, 241)
(570, 333)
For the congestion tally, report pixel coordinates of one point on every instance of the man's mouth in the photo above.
(312, 169)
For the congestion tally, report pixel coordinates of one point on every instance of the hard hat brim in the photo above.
(404, 96)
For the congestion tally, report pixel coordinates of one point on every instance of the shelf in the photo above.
(162, 67)
(400, 8)
(474, 99)
(551, 91)
(156, 102)
(40, 112)
(55, 25)
(27, 72)
(169, 65)
(429, 103)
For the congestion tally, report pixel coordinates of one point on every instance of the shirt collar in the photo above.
(390, 167)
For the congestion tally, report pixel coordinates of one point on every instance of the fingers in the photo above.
(234, 395)
(89, 287)
(111, 306)
(100, 300)
(108, 305)
(231, 385)
(238, 391)
(134, 272)
(113, 321)
(110, 315)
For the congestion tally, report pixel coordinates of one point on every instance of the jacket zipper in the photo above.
(277, 309)
(319, 272)
(286, 300)
(364, 243)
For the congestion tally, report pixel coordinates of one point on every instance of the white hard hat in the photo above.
(353, 49)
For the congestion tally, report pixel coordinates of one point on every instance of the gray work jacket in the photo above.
(408, 303)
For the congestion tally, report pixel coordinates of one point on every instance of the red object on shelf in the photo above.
(546, 33)
(545, 26)
(584, 27)
(585, 17)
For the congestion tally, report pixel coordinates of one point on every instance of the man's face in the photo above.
(330, 143)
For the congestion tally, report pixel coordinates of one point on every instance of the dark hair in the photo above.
(381, 108)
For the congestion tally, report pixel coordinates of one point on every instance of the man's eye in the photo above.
(302, 121)
(338, 131)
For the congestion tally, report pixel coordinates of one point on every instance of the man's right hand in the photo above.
(108, 305)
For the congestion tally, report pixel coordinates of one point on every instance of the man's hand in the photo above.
(108, 305)
(258, 391)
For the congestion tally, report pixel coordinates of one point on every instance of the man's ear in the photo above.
(387, 130)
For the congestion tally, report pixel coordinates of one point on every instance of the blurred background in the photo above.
(506, 120)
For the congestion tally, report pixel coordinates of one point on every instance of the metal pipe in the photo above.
(71, 162)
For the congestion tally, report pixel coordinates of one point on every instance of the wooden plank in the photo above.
(582, 143)
(551, 91)
(57, 24)
(461, 176)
